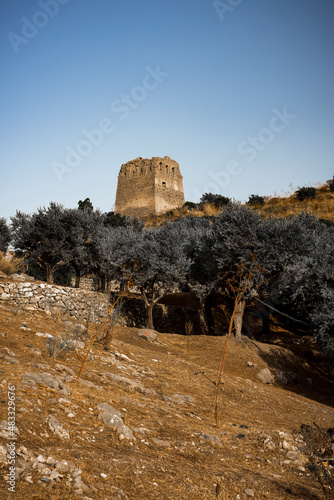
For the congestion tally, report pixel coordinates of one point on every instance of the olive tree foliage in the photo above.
(5, 236)
(83, 228)
(298, 255)
(156, 259)
(41, 237)
(55, 236)
(223, 253)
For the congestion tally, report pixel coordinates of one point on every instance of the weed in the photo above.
(9, 264)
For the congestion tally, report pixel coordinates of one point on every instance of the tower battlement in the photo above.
(149, 186)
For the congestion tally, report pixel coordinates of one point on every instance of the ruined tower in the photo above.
(148, 187)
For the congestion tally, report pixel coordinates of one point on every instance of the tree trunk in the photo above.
(150, 316)
(49, 274)
(239, 313)
(103, 283)
(77, 278)
(208, 303)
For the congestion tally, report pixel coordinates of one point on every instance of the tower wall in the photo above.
(148, 187)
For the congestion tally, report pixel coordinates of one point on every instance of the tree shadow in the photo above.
(297, 373)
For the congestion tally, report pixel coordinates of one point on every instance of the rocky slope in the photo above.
(141, 422)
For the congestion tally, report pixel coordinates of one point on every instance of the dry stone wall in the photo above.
(56, 300)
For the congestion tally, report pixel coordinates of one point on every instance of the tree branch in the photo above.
(283, 314)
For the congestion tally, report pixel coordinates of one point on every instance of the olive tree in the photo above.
(5, 235)
(41, 238)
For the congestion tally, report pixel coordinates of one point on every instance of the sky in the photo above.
(239, 92)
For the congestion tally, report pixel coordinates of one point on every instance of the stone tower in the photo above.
(148, 187)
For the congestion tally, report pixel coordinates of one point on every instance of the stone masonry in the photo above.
(149, 187)
(55, 300)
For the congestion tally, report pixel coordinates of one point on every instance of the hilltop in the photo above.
(284, 205)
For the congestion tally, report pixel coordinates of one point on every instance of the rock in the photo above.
(21, 277)
(183, 398)
(149, 335)
(161, 442)
(119, 494)
(292, 455)
(286, 445)
(54, 474)
(62, 466)
(211, 438)
(281, 378)
(48, 380)
(57, 428)
(108, 412)
(45, 335)
(131, 384)
(265, 376)
(249, 492)
(269, 444)
(114, 419)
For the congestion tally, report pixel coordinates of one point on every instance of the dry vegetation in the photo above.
(10, 264)
(283, 205)
(286, 206)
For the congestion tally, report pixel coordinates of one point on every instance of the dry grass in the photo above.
(178, 213)
(286, 206)
(283, 205)
(10, 264)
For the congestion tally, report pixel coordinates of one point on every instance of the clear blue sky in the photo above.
(203, 85)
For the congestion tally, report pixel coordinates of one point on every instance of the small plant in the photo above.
(68, 341)
(305, 192)
(255, 199)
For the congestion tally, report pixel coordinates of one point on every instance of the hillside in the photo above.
(284, 205)
(163, 442)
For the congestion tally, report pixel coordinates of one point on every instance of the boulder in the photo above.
(114, 419)
(265, 376)
(149, 335)
(46, 379)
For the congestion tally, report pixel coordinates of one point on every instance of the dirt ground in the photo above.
(176, 409)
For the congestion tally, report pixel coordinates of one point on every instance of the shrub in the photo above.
(215, 199)
(331, 186)
(190, 205)
(305, 192)
(10, 264)
(255, 199)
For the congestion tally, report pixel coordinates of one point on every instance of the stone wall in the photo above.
(149, 186)
(55, 300)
